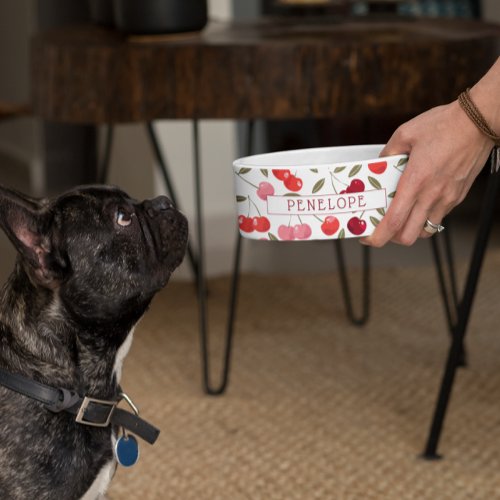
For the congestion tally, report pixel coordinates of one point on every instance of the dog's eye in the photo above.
(123, 218)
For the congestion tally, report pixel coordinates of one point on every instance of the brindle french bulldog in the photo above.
(89, 263)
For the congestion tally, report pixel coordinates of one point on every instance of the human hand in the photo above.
(446, 153)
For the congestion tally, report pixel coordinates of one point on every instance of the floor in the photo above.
(316, 408)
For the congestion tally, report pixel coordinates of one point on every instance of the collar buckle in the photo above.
(88, 404)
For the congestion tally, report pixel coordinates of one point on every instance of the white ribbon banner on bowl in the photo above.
(326, 204)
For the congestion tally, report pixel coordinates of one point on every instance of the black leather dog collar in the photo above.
(88, 411)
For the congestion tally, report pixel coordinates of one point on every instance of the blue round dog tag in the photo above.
(127, 451)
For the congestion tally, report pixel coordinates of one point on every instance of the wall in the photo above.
(491, 10)
(18, 138)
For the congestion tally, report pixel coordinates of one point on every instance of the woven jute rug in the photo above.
(316, 408)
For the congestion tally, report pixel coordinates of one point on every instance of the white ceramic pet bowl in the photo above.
(315, 194)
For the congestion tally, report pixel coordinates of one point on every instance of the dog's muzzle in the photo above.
(169, 229)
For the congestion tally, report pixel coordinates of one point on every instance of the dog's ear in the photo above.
(26, 224)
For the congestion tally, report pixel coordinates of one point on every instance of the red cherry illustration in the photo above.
(261, 224)
(281, 174)
(245, 224)
(293, 183)
(286, 233)
(302, 231)
(356, 225)
(356, 186)
(343, 191)
(330, 225)
(265, 189)
(378, 167)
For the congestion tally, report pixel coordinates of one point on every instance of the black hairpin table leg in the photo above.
(447, 284)
(162, 163)
(448, 292)
(362, 318)
(208, 387)
(464, 310)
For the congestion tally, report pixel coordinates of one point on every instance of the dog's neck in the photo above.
(48, 347)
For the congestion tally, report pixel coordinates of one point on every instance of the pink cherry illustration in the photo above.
(286, 233)
(302, 231)
(265, 189)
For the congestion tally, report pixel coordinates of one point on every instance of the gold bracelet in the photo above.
(480, 122)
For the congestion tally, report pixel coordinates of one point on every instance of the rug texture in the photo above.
(316, 408)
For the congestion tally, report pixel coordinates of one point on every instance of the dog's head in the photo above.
(105, 253)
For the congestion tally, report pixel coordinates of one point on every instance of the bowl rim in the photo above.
(264, 160)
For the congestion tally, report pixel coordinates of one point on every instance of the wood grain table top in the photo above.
(268, 69)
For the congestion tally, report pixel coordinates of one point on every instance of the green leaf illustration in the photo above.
(341, 234)
(381, 211)
(272, 237)
(240, 198)
(314, 170)
(402, 161)
(391, 195)
(264, 172)
(291, 194)
(354, 170)
(374, 182)
(374, 221)
(244, 170)
(317, 187)
(338, 170)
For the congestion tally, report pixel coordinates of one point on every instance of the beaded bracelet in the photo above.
(480, 122)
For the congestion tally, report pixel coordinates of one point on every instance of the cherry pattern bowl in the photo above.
(315, 194)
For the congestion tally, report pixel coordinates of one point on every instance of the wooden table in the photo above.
(265, 70)
(268, 70)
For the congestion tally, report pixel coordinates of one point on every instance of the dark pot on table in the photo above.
(101, 12)
(160, 16)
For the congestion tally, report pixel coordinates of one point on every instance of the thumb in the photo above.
(396, 145)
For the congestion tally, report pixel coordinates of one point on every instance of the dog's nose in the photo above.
(161, 203)
(156, 205)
